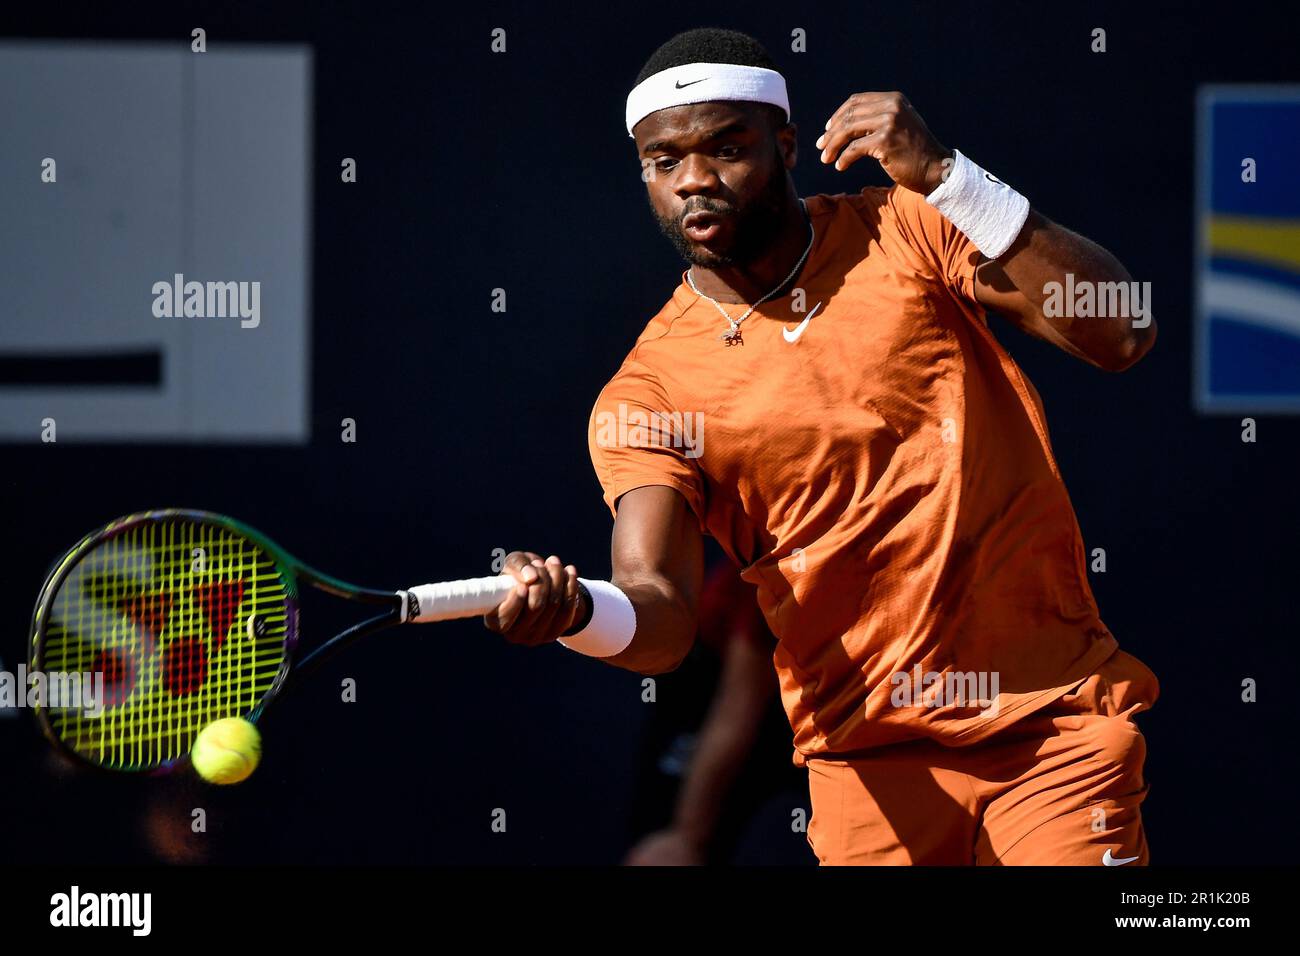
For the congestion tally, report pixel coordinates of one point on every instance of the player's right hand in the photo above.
(544, 604)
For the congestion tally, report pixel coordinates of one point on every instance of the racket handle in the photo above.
(452, 599)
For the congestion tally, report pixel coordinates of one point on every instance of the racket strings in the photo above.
(184, 622)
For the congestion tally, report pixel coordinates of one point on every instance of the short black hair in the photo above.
(707, 45)
(714, 45)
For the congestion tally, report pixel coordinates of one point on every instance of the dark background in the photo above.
(479, 171)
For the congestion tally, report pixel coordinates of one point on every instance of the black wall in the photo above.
(479, 171)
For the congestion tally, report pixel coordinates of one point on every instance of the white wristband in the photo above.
(612, 624)
(987, 210)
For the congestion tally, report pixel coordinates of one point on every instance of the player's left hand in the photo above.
(885, 127)
(665, 848)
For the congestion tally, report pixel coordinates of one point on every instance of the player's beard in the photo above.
(754, 227)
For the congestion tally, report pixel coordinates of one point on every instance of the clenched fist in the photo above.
(885, 127)
(544, 604)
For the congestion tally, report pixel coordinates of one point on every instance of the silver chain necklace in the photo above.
(732, 335)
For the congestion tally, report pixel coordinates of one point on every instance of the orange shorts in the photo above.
(1060, 786)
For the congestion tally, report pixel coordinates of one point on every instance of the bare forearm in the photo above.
(1082, 294)
(747, 685)
(720, 753)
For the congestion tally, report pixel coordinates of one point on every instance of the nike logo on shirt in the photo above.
(792, 335)
(1109, 860)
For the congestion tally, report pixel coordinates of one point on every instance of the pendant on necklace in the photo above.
(732, 337)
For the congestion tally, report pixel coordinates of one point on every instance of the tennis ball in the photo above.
(227, 751)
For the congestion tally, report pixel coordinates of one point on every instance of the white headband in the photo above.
(701, 83)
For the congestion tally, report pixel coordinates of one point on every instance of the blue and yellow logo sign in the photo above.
(1248, 249)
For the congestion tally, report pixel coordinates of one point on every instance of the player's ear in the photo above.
(787, 142)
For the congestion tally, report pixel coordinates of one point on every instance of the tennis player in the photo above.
(822, 395)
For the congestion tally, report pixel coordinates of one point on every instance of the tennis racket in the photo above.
(192, 617)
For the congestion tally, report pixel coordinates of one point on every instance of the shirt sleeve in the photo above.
(636, 438)
(949, 252)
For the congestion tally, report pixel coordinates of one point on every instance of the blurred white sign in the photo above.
(167, 166)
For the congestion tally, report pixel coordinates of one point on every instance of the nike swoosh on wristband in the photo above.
(1109, 860)
(792, 335)
(679, 84)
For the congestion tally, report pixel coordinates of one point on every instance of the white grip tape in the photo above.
(987, 210)
(612, 624)
(453, 599)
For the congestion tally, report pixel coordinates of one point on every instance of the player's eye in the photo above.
(665, 164)
(729, 152)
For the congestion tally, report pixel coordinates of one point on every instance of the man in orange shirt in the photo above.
(823, 396)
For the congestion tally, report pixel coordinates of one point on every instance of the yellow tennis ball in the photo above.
(227, 751)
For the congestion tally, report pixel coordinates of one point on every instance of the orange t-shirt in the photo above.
(885, 480)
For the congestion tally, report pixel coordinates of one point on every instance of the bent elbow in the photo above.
(664, 665)
(651, 658)
(1131, 348)
(669, 655)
